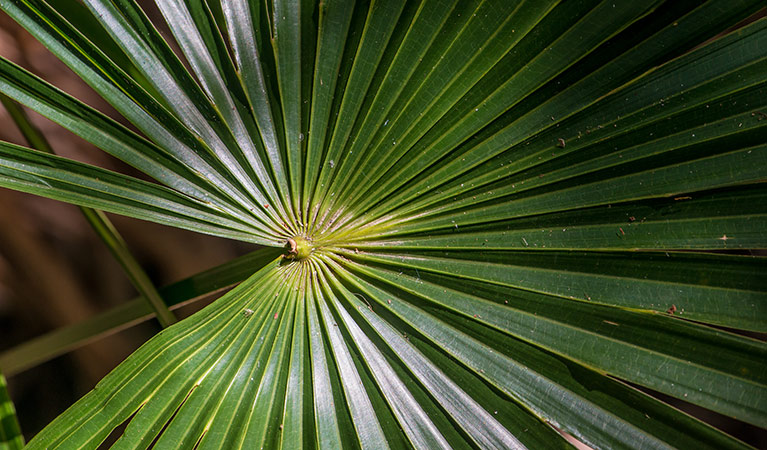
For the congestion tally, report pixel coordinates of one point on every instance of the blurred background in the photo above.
(55, 271)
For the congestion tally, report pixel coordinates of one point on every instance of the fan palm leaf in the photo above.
(487, 209)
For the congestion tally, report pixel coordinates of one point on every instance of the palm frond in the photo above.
(487, 208)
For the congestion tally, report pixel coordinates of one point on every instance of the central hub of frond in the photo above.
(299, 248)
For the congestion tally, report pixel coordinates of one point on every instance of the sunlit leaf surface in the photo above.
(495, 214)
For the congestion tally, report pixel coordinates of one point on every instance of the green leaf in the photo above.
(195, 48)
(242, 28)
(334, 23)
(130, 99)
(609, 421)
(498, 216)
(10, 432)
(62, 179)
(722, 290)
(634, 340)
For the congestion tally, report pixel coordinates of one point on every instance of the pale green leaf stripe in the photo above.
(552, 399)
(62, 179)
(328, 433)
(242, 28)
(334, 22)
(744, 306)
(119, 20)
(734, 168)
(110, 197)
(415, 422)
(109, 81)
(366, 423)
(511, 172)
(481, 427)
(10, 432)
(734, 388)
(379, 25)
(747, 231)
(297, 396)
(626, 105)
(111, 137)
(587, 33)
(544, 397)
(62, 340)
(269, 400)
(173, 361)
(485, 31)
(739, 232)
(286, 44)
(193, 46)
